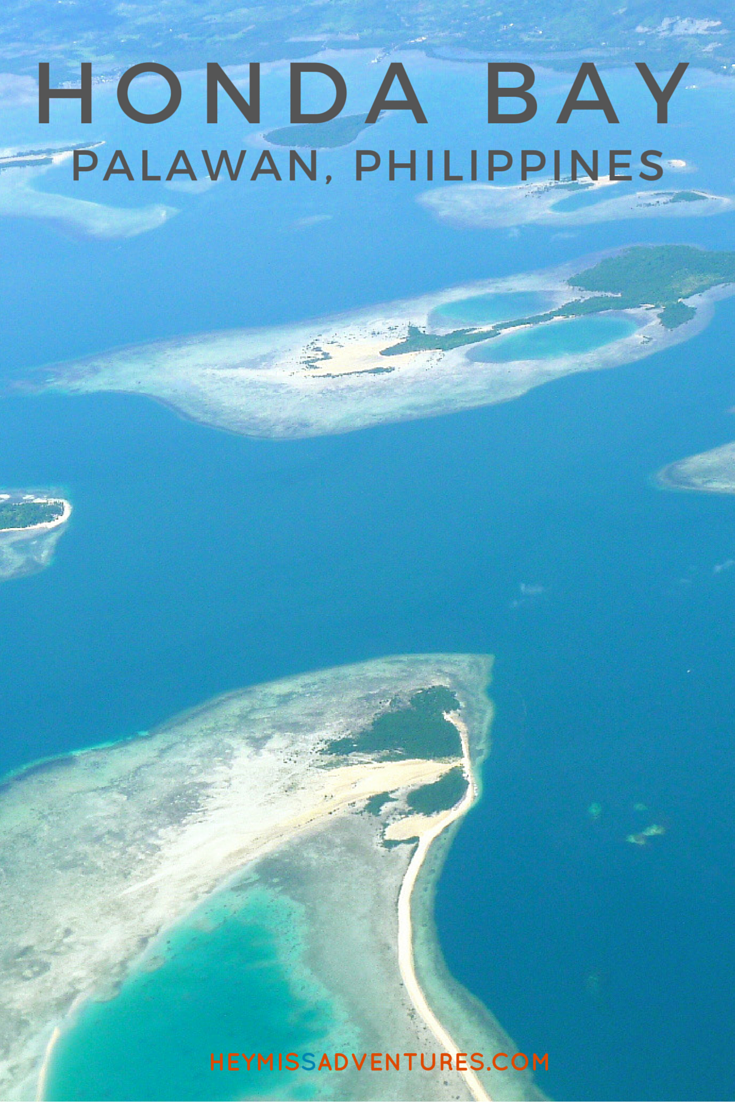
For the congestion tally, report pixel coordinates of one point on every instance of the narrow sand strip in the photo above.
(43, 1074)
(405, 924)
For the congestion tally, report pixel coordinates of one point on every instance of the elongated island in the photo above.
(461, 347)
(332, 794)
(31, 525)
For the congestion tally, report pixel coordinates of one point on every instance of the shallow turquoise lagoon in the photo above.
(555, 338)
(230, 979)
(484, 309)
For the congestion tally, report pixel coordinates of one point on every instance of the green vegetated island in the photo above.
(326, 135)
(299, 789)
(190, 34)
(408, 359)
(27, 514)
(30, 528)
(657, 277)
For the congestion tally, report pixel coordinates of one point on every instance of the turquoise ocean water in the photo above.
(483, 309)
(197, 562)
(563, 338)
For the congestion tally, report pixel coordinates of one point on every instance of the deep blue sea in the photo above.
(197, 562)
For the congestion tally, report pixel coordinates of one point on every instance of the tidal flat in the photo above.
(21, 169)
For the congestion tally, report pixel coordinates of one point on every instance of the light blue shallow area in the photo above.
(229, 980)
(554, 338)
(484, 309)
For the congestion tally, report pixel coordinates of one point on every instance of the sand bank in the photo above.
(711, 472)
(432, 828)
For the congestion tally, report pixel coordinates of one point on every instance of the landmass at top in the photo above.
(187, 34)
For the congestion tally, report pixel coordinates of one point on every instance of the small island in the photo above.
(565, 203)
(324, 135)
(457, 348)
(31, 525)
(40, 158)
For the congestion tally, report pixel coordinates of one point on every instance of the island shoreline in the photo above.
(46, 525)
(406, 942)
